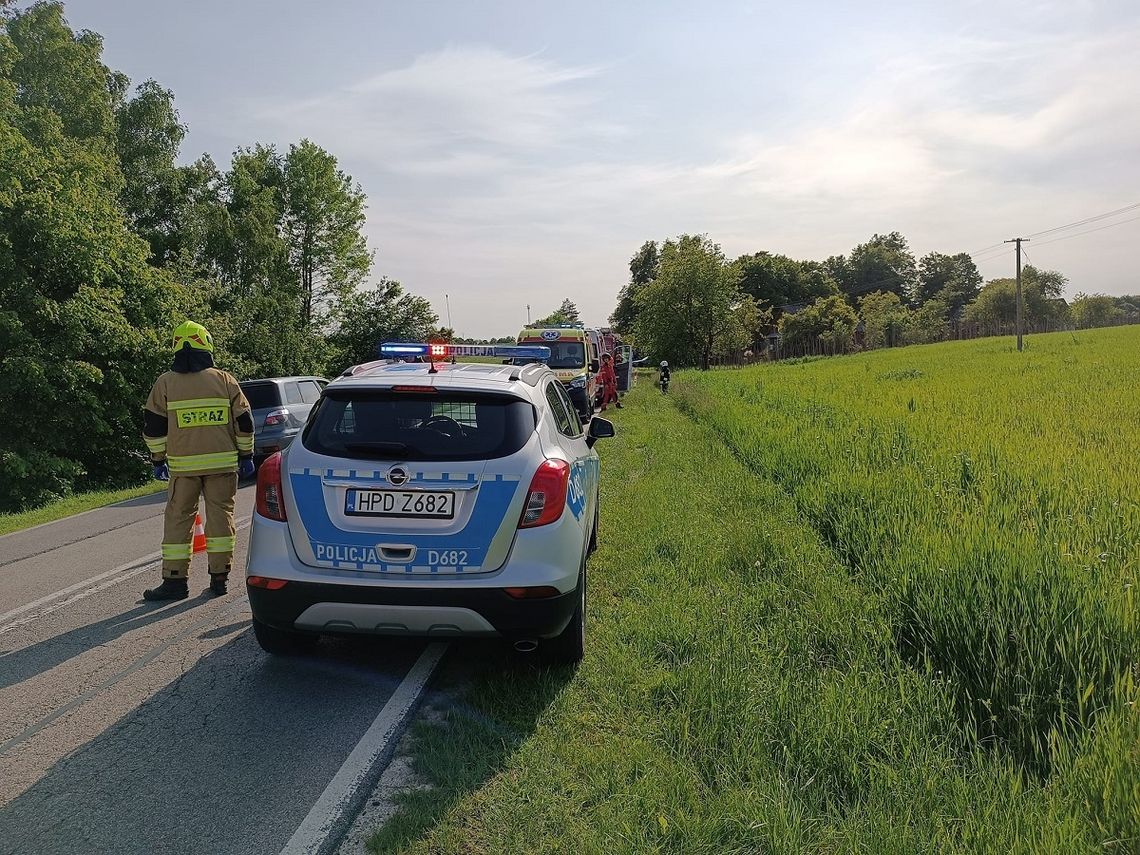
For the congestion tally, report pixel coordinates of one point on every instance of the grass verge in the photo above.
(73, 505)
(741, 693)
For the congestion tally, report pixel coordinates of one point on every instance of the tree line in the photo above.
(106, 243)
(686, 302)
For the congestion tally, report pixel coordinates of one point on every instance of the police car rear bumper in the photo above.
(336, 608)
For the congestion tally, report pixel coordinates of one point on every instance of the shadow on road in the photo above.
(20, 665)
(146, 501)
(486, 701)
(226, 759)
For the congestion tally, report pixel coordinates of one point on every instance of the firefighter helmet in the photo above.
(194, 335)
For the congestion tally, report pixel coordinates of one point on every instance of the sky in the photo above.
(517, 153)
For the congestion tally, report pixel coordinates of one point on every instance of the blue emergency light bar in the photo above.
(404, 350)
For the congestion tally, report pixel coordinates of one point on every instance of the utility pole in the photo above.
(528, 314)
(447, 302)
(1020, 308)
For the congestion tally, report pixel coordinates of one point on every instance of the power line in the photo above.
(994, 255)
(985, 251)
(987, 248)
(1088, 231)
(1088, 220)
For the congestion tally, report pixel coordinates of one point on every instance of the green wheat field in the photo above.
(877, 603)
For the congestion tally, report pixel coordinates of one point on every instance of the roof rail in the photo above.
(353, 370)
(531, 374)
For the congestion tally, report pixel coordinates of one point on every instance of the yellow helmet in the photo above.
(195, 335)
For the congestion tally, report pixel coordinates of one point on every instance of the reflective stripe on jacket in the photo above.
(206, 419)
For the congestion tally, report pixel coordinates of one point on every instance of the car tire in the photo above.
(569, 646)
(280, 642)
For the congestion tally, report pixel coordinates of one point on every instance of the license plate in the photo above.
(400, 503)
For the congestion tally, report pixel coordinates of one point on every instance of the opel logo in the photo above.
(397, 476)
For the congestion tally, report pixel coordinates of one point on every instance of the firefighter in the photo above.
(198, 427)
(609, 383)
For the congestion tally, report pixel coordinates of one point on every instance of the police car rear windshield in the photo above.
(377, 425)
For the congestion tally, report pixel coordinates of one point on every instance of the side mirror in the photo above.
(594, 366)
(599, 429)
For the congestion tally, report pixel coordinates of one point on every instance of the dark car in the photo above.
(280, 407)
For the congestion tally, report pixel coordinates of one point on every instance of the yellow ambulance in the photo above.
(573, 358)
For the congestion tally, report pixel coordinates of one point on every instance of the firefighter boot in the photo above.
(170, 589)
(218, 584)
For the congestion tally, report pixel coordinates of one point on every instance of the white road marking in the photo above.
(83, 590)
(329, 812)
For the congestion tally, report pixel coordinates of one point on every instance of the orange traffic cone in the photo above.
(199, 535)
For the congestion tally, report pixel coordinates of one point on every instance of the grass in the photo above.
(804, 581)
(991, 497)
(73, 505)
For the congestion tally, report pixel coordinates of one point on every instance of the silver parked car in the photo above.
(449, 500)
(280, 407)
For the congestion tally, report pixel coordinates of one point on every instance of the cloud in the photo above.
(506, 179)
(461, 110)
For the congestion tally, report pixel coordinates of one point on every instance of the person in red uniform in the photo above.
(609, 382)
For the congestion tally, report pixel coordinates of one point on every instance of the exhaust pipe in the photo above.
(526, 645)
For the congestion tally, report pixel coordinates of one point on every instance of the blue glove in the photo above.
(246, 468)
(161, 471)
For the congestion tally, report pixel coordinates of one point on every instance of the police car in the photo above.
(430, 499)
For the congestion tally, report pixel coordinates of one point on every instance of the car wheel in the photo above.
(569, 646)
(280, 642)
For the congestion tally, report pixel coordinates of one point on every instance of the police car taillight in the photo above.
(270, 502)
(546, 498)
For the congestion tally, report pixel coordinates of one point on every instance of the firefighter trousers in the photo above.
(178, 533)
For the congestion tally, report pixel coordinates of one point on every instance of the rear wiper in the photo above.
(380, 449)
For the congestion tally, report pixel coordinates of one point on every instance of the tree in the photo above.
(885, 318)
(928, 323)
(1041, 297)
(996, 303)
(954, 278)
(1129, 304)
(642, 271)
(689, 304)
(1094, 310)
(884, 263)
(1050, 284)
(364, 319)
(83, 318)
(779, 281)
(569, 311)
(61, 74)
(746, 330)
(148, 136)
(643, 266)
(554, 319)
(827, 324)
(322, 222)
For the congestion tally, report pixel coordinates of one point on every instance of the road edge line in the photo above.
(81, 590)
(330, 812)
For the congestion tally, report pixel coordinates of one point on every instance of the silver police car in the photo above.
(437, 500)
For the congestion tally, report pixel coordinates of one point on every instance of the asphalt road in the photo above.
(130, 727)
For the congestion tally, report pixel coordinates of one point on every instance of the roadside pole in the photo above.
(1020, 307)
